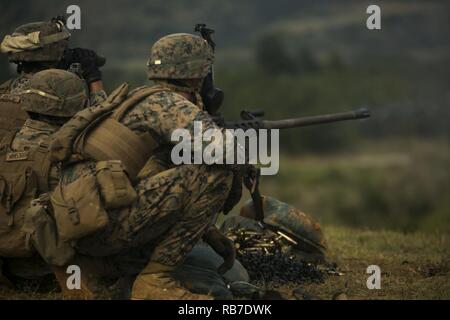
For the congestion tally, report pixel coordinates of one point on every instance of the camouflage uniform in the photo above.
(175, 205)
(33, 134)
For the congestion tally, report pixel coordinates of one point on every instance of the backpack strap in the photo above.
(42, 166)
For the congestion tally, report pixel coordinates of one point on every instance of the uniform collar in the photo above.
(195, 92)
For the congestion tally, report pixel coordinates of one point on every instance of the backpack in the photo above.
(96, 133)
(23, 177)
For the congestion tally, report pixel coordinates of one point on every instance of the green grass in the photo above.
(413, 265)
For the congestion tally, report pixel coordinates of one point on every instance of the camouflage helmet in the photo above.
(54, 92)
(37, 41)
(180, 56)
(290, 222)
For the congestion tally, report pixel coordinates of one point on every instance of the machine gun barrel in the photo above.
(313, 120)
(251, 119)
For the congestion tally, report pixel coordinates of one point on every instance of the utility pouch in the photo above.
(78, 209)
(40, 229)
(114, 184)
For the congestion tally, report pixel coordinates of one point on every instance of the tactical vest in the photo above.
(97, 134)
(12, 116)
(24, 175)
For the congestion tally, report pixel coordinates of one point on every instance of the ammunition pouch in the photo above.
(40, 228)
(115, 187)
(78, 209)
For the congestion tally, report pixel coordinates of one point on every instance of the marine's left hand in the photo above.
(222, 246)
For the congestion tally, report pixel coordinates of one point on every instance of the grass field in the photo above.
(413, 266)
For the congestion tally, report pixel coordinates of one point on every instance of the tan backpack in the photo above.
(23, 177)
(80, 207)
(97, 134)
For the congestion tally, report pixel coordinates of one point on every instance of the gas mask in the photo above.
(212, 96)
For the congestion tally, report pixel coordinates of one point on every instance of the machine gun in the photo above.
(213, 98)
(253, 120)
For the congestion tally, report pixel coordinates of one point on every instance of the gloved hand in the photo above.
(251, 177)
(218, 119)
(246, 174)
(235, 194)
(90, 63)
(222, 246)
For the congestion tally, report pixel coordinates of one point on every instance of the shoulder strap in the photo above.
(42, 165)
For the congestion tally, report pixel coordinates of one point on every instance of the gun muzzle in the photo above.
(362, 113)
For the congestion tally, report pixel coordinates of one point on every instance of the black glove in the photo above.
(90, 63)
(251, 176)
(222, 246)
(219, 120)
(235, 194)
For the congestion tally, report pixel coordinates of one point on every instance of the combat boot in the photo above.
(156, 282)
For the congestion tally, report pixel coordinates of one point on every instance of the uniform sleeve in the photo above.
(169, 116)
(163, 113)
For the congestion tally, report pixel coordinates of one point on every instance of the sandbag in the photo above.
(199, 273)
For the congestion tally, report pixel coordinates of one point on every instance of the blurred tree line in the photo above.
(407, 100)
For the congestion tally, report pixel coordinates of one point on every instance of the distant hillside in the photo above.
(124, 30)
